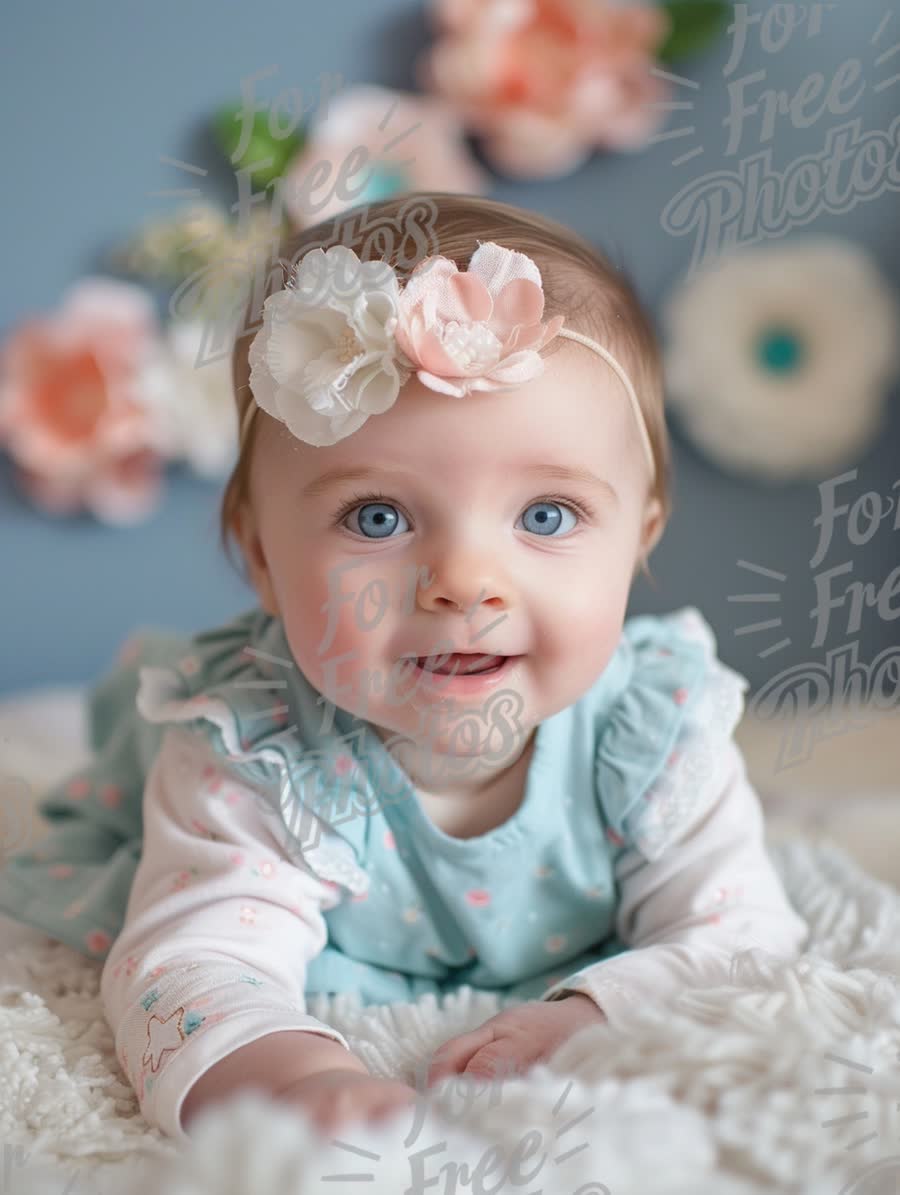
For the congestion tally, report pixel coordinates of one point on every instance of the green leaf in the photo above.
(695, 24)
(228, 129)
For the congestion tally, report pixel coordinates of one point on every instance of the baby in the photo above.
(437, 753)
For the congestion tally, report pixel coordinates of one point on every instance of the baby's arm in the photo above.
(209, 969)
(712, 893)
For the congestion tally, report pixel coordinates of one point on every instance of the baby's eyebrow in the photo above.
(572, 473)
(338, 475)
(568, 473)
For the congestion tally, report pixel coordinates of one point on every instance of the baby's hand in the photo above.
(333, 1098)
(515, 1039)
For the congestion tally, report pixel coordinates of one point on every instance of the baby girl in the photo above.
(436, 753)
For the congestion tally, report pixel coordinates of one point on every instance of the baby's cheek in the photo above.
(594, 614)
(329, 643)
(586, 637)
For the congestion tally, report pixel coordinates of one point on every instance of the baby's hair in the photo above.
(596, 298)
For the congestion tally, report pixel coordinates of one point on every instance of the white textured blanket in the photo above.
(786, 1080)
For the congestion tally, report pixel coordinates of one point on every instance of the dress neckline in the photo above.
(408, 814)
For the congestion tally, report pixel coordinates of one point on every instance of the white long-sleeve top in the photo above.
(222, 924)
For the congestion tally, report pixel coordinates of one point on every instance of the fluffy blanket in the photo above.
(785, 1079)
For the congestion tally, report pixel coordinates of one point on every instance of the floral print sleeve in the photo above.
(686, 913)
(220, 927)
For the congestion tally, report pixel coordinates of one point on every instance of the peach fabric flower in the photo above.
(478, 329)
(545, 82)
(70, 411)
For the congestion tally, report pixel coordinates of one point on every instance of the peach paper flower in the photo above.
(478, 329)
(546, 82)
(70, 411)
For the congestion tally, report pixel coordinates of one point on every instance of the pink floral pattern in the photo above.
(212, 778)
(98, 941)
(111, 796)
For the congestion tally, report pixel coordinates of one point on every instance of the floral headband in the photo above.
(340, 340)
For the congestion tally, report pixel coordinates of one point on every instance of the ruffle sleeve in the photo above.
(75, 884)
(659, 758)
(239, 688)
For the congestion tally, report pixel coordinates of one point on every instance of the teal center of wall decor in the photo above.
(385, 180)
(780, 350)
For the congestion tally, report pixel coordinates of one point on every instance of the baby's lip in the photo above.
(471, 662)
(455, 651)
(470, 655)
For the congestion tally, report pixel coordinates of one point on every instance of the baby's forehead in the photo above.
(456, 467)
(576, 405)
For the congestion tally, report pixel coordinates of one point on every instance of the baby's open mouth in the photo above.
(460, 663)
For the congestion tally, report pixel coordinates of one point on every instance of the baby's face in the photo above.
(470, 532)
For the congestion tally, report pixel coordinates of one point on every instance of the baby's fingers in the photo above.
(498, 1060)
(452, 1056)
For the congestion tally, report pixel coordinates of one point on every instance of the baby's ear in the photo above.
(247, 533)
(652, 527)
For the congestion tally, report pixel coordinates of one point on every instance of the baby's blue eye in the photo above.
(547, 519)
(379, 518)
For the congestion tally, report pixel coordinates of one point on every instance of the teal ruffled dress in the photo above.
(515, 910)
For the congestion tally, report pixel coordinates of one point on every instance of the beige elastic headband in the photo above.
(607, 356)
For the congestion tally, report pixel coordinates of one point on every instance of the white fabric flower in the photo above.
(325, 358)
(192, 401)
(778, 358)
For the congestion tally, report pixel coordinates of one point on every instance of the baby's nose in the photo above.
(466, 582)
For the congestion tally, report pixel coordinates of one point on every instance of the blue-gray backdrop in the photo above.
(97, 94)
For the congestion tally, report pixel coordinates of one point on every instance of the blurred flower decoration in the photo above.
(268, 149)
(95, 400)
(191, 400)
(544, 83)
(397, 142)
(194, 238)
(778, 359)
(70, 412)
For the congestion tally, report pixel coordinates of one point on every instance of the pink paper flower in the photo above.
(70, 411)
(545, 82)
(391, 142)
(478, 329)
